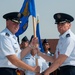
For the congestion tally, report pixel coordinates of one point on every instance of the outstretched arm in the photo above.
(47, 58)
(17, 62)
(56, 64)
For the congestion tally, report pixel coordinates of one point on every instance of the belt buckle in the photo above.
(18, 72)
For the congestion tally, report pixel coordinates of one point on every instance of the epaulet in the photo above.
(68, 35)
(7, 34)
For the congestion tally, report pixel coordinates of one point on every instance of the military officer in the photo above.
(10, 53)
(65, 51)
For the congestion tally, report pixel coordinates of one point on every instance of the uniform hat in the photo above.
(31, 38)
(13, 16)
(45, 41)
(62, 18)
(25, 39)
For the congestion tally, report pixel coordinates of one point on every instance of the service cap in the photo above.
(62, 18)
(45, 41)
(13, 16)
(25, 39)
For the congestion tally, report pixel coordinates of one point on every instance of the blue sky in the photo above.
(45, 9)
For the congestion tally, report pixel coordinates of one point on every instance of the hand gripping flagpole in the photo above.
(34, 32)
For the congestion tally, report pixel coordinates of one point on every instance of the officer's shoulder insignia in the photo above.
(16, 51)
(7, 34)
(68, 35)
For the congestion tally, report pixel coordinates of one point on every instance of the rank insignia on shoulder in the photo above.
(7, 34)
(67, 35)
(16, 51)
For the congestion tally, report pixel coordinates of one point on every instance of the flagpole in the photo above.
(34, 26)
(34, 32)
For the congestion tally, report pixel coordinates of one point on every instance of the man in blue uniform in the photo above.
(10, 53)
(65, 51)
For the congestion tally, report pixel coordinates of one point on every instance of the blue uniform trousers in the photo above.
(67, 70)
(7, 71)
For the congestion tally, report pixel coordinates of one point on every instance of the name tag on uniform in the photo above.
(27, 58)
(15, 43)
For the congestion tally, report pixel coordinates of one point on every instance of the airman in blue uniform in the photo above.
(10, 53)
(65, 51)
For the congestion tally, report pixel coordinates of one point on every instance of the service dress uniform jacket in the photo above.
(8, 46)
(66, 46)
(30, 60)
